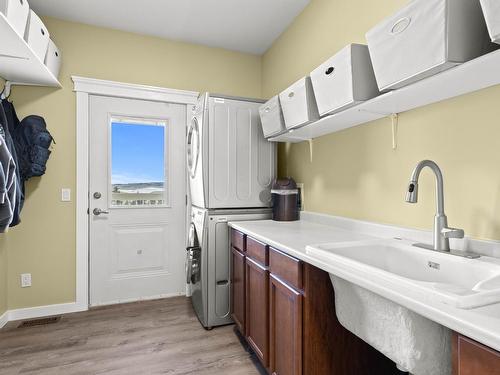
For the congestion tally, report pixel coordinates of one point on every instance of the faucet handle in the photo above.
(452, 233)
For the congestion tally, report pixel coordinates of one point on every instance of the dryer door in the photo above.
(195, 160)
(193, 147)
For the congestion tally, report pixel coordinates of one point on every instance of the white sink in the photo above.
(461, 282)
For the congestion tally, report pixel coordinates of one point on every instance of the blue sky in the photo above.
(137, 153)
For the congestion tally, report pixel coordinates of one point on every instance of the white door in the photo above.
(137, 199)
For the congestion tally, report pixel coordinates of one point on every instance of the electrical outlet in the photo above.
(25, 280)
(300, 186)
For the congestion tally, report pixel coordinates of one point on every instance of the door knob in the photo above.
(98, 211)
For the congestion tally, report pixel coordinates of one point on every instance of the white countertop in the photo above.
(481, 324)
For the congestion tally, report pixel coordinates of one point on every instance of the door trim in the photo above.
(85, 88)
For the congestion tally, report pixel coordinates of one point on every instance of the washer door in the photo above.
(193, 147)
(192, 248)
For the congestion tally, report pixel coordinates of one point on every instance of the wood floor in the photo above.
(153, 337)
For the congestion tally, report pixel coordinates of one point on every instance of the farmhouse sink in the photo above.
(458, 281)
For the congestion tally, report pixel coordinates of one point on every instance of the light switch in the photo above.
(66, 195)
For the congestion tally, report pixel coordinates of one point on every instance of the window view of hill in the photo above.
(138, 164)
(138, 194)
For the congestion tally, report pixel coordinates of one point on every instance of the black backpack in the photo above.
(32, 141)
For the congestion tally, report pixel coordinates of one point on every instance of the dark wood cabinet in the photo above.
(290, 319)
(257, 309)
(472, 358)
(238, 289)
(285, 311)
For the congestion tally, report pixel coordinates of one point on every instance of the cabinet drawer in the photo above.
(258, 251)
(238, 240)
(287, 268)
(472, 358)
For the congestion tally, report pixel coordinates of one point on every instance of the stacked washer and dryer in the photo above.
(231, 169)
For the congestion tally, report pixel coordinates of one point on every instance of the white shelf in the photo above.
(18, 63)
(471, 76)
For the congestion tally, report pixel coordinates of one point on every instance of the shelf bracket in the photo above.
(6, 90)
(395, 122)
(310, 141)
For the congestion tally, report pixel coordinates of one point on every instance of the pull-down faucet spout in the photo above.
(442, 233)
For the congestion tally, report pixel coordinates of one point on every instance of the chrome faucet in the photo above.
(442, 233)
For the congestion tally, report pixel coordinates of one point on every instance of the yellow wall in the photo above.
(44, 244)
(355, 173)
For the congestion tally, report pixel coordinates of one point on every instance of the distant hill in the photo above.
(139, 186)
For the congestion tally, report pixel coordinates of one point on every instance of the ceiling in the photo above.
(239, 25)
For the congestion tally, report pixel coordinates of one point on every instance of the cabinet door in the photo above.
(238, 289)
(257, 309)
(472, 358)
(285, 329)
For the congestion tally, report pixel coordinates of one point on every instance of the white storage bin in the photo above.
(424, 38)
(16, 12)
(298, 104)
(491, 10)
(53, 58)
(37, 36)
(272, 117)
(344, 80)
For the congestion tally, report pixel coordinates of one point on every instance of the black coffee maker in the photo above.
(285, 198)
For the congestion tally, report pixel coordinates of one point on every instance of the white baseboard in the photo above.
(4, 319)
(40, 312)
(64, 308)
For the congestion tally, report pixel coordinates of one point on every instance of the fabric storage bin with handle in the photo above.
(37, 36)
(272, 117)
(16, 12)
(298, 104)
(491, 10)
(344, 80)
(425, 38)
(53, 58)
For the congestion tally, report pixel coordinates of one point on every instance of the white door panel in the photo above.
(137, 178)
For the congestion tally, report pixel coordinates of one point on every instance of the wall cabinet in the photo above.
(472, 358)
(290, 319)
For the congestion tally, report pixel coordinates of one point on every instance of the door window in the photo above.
(138, 163)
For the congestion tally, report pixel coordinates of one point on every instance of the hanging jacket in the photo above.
(8, 186)
(9, 122)
(32, 140)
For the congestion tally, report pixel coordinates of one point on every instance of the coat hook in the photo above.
(6, 90)
(310, 141)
